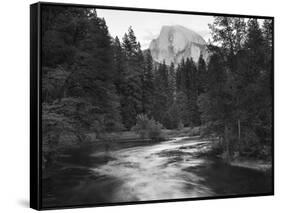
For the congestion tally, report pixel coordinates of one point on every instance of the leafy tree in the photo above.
(229, 35)
(79, 93)
(238, 83)
(95, 83)
(147, 128)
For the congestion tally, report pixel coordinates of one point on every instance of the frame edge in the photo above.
(35, 191)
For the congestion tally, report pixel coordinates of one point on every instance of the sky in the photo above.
(147, 25)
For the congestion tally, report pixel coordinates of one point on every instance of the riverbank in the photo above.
(258, 165)
(127, 136)
(111, 142)
(214, 150)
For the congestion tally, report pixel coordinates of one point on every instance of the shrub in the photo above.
(194, 131)
(147, 128)
(155, 130)
(180, 125)
(142, 125)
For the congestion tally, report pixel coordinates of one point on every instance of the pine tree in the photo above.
(172, 82)
(256, 101)
(180, 76)
(212, 104)
(132, 100)
(202, 75)
(267, 29)
(255, 44)
(266, 82)
(161, 97)
(192, 92)
(119, 69)
(229, 33)
(148, 86)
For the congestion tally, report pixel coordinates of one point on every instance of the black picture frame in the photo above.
(36, 103)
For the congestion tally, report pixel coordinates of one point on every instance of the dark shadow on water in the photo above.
(224, 179)
(78, 186)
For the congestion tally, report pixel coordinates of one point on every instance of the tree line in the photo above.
(92, 82)
(237, 102)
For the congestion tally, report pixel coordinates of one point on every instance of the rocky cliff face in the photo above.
(177, 42)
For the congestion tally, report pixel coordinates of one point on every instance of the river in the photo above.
(172, 169)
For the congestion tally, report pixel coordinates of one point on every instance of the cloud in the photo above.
(147, 38)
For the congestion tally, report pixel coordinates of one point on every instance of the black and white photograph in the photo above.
(153, 106)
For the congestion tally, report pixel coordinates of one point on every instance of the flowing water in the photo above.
(169, 170)
(156, 172)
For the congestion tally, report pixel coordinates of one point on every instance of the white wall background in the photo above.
(14, 106)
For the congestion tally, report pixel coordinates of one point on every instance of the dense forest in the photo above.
(94, 83)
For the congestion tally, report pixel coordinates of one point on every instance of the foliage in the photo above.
(78, 88)
(92, 82)
(188, 87)
(147, 128)
(161, 97)
(147, 83)
(237, 102)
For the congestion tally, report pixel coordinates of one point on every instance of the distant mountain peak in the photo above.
(176, 42)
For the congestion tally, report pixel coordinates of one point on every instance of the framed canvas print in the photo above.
(133, 105)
